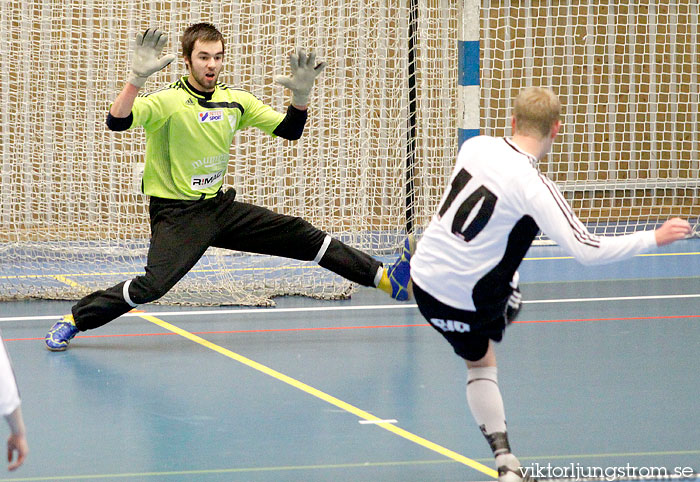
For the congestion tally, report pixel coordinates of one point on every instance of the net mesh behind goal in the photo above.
(71, 220)
(627, 75)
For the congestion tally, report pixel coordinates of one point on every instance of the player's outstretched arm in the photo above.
(672, 230)
(304, 72)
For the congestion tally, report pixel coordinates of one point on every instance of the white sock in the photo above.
(378, 276)
(507, 460)
(484, 399)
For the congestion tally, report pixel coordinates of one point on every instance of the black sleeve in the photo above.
(292, 126)
(119, 123)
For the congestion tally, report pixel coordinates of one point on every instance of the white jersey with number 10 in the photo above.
(494, 204)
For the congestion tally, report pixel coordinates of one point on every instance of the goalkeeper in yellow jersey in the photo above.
(189, 127)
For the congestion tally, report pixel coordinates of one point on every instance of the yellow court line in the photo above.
(277, 268)
(546, 258)
(125, 273)
(67, 281)
(312, 391)
(324, 396)
(667, 254)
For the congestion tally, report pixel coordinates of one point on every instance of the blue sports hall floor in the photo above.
(599, 377)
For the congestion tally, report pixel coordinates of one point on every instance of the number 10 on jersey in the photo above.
(460, 218)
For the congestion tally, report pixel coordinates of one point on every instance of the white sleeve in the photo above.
(555, 218)
(9, 395)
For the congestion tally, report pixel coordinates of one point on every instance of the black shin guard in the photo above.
(350, 263)
(100, 308)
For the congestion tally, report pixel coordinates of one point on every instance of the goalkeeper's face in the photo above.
(205, 64)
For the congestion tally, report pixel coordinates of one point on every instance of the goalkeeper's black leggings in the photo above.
(181, 231)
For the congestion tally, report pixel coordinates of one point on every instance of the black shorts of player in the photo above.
(468, 332)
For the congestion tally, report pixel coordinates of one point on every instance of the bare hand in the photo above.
(16, 443)
(672, 230)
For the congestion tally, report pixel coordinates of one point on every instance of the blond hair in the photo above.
(536, 110)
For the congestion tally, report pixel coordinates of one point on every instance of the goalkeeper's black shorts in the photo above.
(468, 332)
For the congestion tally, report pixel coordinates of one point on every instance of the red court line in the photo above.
(368, 327)
(235, 331)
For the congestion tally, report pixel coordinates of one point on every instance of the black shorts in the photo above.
(468, 332)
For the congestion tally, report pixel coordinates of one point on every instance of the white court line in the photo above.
(615, 298)
(270, 311)
(366, 422)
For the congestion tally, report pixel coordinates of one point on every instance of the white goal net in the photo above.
(381, 137)
(71, 219)
(628, 75)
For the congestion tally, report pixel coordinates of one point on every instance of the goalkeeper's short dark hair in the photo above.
(204, 32)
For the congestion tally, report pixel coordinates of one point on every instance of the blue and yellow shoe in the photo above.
(61, 333)
(399, 273)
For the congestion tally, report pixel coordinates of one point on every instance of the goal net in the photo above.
(71, 218)
(381, 138)
(627, 73)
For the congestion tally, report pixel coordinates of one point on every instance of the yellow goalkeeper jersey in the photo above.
(188, 136)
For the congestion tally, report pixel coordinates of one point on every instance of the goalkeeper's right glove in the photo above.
(147, 47)
(515, 300)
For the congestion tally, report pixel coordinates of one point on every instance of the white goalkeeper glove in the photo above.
(147, 48)
(304, 73)
(515, 300)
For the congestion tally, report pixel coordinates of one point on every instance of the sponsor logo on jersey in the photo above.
(211, 116)
(211, 163)
(203, 181)
(189, 101)
(450, 325)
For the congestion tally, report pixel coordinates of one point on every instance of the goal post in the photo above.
(468, 74)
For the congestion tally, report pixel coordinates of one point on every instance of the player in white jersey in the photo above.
(464, 270)
(10, 407)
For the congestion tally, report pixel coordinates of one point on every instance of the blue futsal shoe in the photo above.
(400, 272)
(61, 333)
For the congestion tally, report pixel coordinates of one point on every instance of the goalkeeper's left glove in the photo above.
(304, 73)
